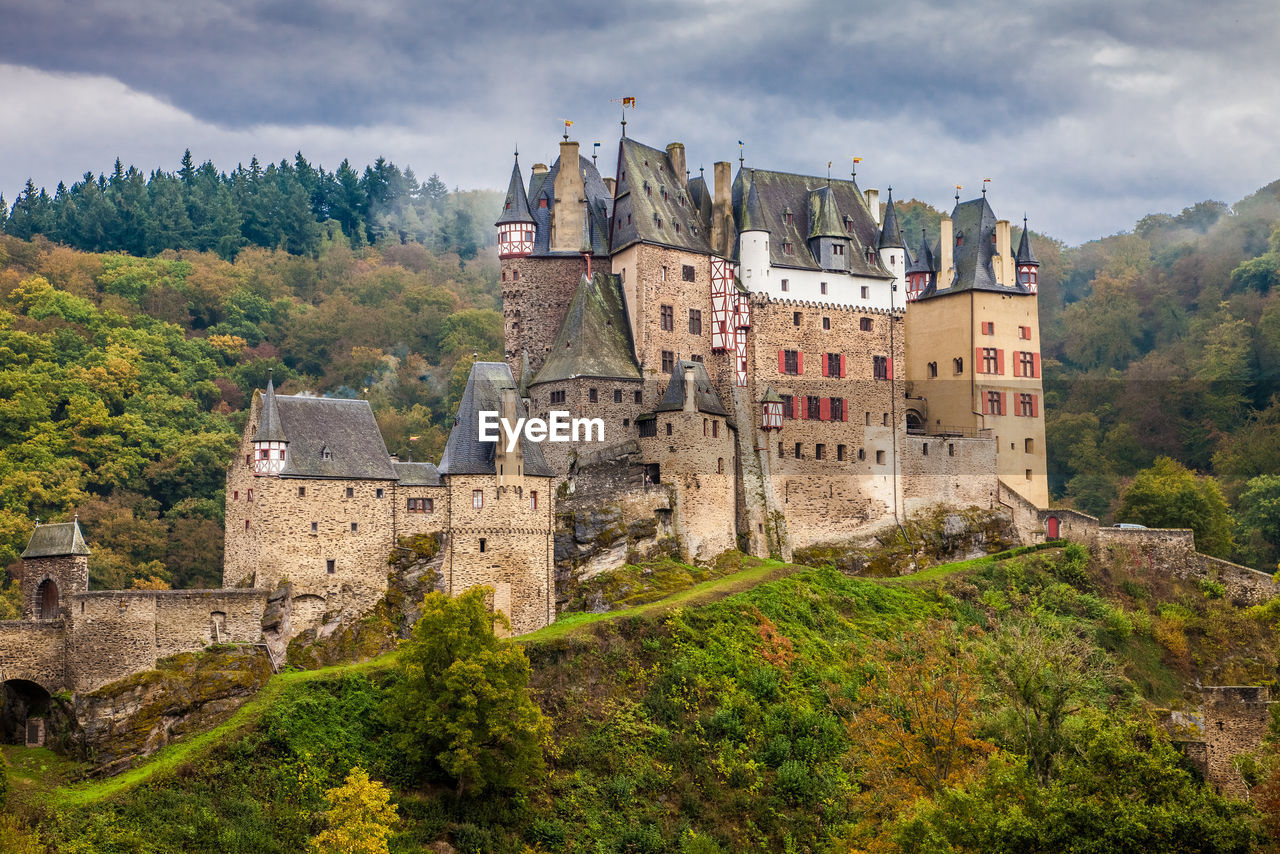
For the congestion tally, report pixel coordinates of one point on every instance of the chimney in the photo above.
(1004, 271)
(539, 168)
(570, 197)
(690, 389)
(873, 204)
(946, 250)
(608, 185)
(675, 156)
(508, 465)
(721, 214)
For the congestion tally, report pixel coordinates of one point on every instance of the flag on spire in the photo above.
(629, 102)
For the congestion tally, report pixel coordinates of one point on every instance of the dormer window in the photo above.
(788, 218)
(325, 453)
(959, 240)
(786, 248)
(848, 225)
(542, 202)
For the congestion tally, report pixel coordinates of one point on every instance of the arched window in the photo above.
(47, 600)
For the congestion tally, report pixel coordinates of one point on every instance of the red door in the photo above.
(1051, 527)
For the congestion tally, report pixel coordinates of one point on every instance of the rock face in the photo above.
(189, 692)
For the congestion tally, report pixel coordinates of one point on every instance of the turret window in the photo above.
(786, 248)
(837, 249)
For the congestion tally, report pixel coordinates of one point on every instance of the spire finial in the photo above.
(624, 122)
(741, 158)
(702, 172)
(517, 151)
(1024, 220)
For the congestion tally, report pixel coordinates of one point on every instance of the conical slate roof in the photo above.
(770, 396)
(516, 206)
(58, 540)
(1025, 255)
(923, 261)
(824, 214)
(752, 218)
(890, 233)
(269, 427)
(595, 337)
(464, 453)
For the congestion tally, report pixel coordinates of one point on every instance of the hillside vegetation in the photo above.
(814, 712)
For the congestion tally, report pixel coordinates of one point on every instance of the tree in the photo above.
(359, 819)
(1260, 519)
(1169, 495)
(462, 709)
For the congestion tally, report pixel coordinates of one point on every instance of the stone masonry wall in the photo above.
(506, 544)
(1236, 719)
(944, 470)
(536, 292)
(69, 572)
(615, 405)
(697, 458)
(35, 652)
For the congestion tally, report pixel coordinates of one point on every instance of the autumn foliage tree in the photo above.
(360, 817)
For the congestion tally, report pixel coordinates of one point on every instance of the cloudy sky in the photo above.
(1086, 114)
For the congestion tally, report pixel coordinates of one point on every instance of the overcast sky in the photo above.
(1086, 114)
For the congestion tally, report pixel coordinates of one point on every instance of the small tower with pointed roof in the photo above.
(1028, 266)
(55, 565)
(269, 443)
(922, 270)
(516, 225)
(828, 236)
(893, 252)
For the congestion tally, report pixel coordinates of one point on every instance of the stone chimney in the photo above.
(946, 254)
(570, 198)
(609, 185)
(1004, 240)
(690, 390)
(675, 156)
(721, 211)
(508, 465)
(539, 168)
(873, 204)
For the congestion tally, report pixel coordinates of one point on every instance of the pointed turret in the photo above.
(752, 218)
(516, 224)
(890, 234)
(269, 443)
(1028, 266)
(828, 235)
(921, 269)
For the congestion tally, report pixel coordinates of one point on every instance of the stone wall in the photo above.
(615, 405)
(35, 652)
(1236, 719)
(954, 471)
(69, 572)
(536, 292)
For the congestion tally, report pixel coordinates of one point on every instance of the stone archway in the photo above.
(47, 600)
(21, 700)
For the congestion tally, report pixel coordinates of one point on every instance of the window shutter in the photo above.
(1000, 362)
(978, 367)
(1017, 363)
(782, 361)
(888, 364)
(799, 362)
(844, 402)
(1004, 402)
(842, 365)
(802, 404)
(824, 360)
(824, 409)
(1035, 406)
(986, 402)
(1035, 365)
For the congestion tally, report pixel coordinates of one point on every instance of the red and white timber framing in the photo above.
(515, 238)
(723, 298)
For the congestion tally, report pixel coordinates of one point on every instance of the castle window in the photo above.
(330, 566)
(592, 396)
(677, 228)
(626, 422)
(1027, 364)
(687, 272)
(617, 395)
(866, 292)
(788, 406)
(1028, 474)
(822, 287)
(995, 403)
(355, 527)
(864, 324)
(668, 428)
(663, 276)
(542, 202)
(831, 365)
(786, 286)
(797, 450)
(648, 428)
(884, 419)
(840, 453)
(959, 240)
(420, 505)
(668, 318)
(639, 397)
(951, 449)
(795, 318)
(924, 449)
(780, 452)
(246, 524)
(720, 465)
(302, 492)
(533, 499)
(477, 499)
(668, 361)
(695, 321)
(813, 407)
(826, 323)
(557, 397)
(704, 426)
(879, 458)
(515, 275)
(326, 454)
(836, 249)
(868, 419)
(990, 360)
(315, 527)
(791, 362)
(1029, 446)
(786, 248)
(988, 328)
(837, 408)
(788, 218)
(235, 496)
(528, 236)
(957, 365)
(696, 357)
(715, 429)
(819, 451)
(862, 453)
(351, 492)
(378, 493)
(484, 544)
(250, 494)
(933, 369)
(880, 367)
(1027, 405)
(1024, 332)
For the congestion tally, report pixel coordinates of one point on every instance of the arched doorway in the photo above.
(914, 424)
(1051, 527)
(47, 600)
(20, 701)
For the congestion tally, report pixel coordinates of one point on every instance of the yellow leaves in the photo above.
(360, 817)
(228, 345)
(151, 582)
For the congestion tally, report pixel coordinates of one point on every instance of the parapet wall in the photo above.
(34, 652)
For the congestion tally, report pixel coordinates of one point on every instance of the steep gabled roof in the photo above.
(1025, 254)
(269, 429)
(516, 206)
(923, 262)
(705, 397)
(890, 233)
(824, 214)
(57, 540)
(653, 204)
(594, 339)
(464, 453)
(332, 438)
(974, 229)
(780, 192)
(417, 474)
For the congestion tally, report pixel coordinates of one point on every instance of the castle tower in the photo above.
(55, 565)
(753, 237)
(1028, 266)
(516, 224)
(922, 270)
(893, 253)
(269, 443)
